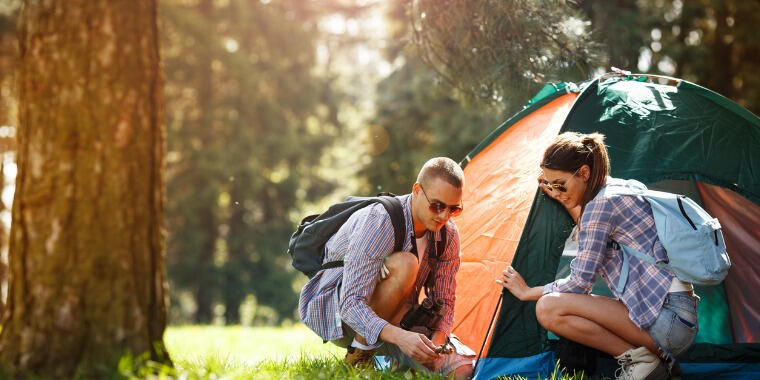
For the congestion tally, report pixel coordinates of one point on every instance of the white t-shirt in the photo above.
(422, 245)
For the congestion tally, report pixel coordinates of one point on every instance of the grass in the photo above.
(211, 352)
(245, 345)
(260, 353)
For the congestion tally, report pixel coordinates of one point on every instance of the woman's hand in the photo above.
(574, 211)
(513, 281)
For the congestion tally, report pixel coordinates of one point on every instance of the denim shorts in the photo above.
(676, 325)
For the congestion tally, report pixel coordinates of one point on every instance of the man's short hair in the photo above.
(443, 168)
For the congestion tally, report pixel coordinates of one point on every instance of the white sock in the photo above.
(360, 346)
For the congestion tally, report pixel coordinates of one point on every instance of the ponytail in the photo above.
(572, 150)
(599, 165)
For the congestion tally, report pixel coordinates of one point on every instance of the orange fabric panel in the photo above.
(740, 221)
(500, 183)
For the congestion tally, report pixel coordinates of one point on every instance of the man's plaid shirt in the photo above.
(341, 295)
(627, 220)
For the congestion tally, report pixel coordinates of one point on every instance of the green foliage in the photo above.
(247, 117)
(711, 43)
(417, 117)
(503, 51)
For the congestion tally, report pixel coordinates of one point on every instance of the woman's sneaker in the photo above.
(641, 364)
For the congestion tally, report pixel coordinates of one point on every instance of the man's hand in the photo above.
(438, 338)
(415, 345)
(418, 347)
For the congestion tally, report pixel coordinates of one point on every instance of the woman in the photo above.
(655, 315)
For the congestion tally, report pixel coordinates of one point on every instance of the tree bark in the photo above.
(3, 266)
(86, 260)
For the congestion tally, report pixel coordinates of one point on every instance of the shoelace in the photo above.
(624, 371)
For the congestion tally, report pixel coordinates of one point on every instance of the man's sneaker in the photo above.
(358, 357)
(640, 364)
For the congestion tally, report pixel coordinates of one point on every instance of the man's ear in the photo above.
(416, 188)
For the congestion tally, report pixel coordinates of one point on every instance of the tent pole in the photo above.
(490, 324)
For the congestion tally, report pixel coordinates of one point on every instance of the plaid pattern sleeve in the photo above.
(445, 281)
(627, 220)
(361, 266)
(341, 295)
(592, 242)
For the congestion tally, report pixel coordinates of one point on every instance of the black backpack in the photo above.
(307, 244)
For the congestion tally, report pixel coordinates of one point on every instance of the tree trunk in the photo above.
(3, 266)
(86, 261)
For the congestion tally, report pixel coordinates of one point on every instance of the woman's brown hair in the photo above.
(572, 150)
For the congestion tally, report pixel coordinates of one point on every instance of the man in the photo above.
(360, 305)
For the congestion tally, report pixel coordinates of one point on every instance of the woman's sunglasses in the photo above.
(554, 186)
(439, 207)
(558, 186)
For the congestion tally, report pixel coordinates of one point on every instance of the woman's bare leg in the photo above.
(594, 321)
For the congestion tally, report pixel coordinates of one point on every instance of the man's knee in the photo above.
(402, 266)
(547, 309)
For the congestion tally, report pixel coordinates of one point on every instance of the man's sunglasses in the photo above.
(558, 186)
(439, 207)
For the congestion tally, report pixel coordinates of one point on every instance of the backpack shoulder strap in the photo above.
(441, 244)
(396, 212)
(628, 251)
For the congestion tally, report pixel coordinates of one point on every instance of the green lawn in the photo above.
(246, 345)
(211, 352)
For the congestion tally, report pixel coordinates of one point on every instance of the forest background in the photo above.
(277, 108)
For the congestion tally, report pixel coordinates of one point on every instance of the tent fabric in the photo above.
(488, 247)
(547, 94)
(654, 132)
(657, 132)
(539, 366)
(711, 353)
(740, 219)
(724, 370)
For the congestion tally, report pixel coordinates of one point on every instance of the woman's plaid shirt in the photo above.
(341, 295)
(627, 220)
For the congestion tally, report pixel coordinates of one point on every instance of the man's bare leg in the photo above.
(461, 372)
(388, 298)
